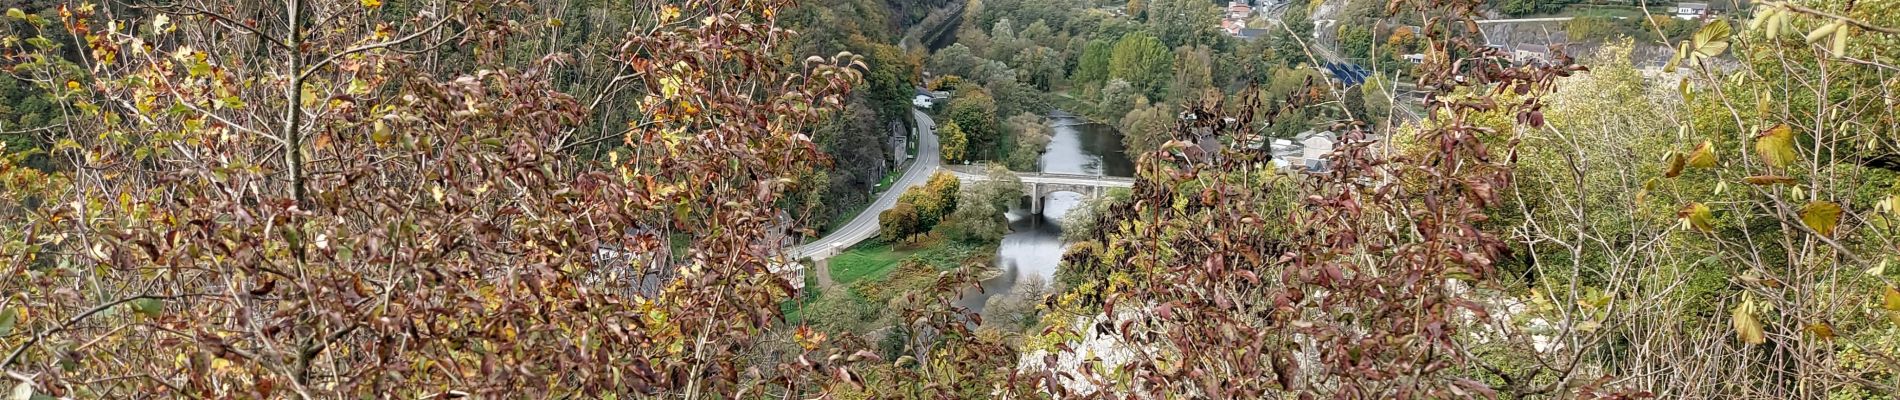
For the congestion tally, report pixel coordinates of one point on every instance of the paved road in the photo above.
(864, 226)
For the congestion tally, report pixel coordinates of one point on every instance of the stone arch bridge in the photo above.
(1039, 185)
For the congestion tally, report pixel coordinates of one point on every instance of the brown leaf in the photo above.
(1769, 180)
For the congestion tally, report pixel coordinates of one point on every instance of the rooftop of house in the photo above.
(1329, 135)
(1532, 48)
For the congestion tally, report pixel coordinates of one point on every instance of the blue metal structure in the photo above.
(1348, 74)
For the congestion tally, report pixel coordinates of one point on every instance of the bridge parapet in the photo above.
(1038, 186)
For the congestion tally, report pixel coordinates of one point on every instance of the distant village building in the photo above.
(1239, 10)
(1283, 152)
(1693, 10)
(1314, 147)
(1529, 53)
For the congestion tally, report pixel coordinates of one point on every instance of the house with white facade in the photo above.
(1314, 147)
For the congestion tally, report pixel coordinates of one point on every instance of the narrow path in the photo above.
(864, 226)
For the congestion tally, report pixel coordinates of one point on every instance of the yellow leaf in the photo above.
(1891, 300)
(1821, 216)
(1675, 164)
(372, 3)
(1698, 216)
(1776, 146)
(1747, 328)
(669, 13)
(1821, 330)
(1703, 156)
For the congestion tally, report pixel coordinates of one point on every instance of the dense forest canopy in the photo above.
(594, 199)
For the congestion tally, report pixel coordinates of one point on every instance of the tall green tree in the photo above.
(1031, 137)
(974, 111)
(1193, 74)
(1186, 22)
(1092, 66)
(1146, 127)
(1141, 60)
(979, 217)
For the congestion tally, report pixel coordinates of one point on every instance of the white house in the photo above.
(1692, 10)
(1314, 147)
(1239, 10)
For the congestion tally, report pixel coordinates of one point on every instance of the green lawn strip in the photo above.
(890, 178)
(870, 260)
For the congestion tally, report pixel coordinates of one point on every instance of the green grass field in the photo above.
(866, 260)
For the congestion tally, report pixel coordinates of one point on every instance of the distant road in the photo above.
(1512, 21)
(865, 226)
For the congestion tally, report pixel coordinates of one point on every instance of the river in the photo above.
(1033, 248)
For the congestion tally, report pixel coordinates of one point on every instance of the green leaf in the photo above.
(16, 13)
(1821, 216)
(42, 43)
(1776, 146)
(1711, 40)
(8, 317)
(1698, 216)
(1891, 299)
(199, 68)
(150, 308)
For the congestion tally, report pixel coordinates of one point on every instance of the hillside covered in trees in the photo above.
(593, 199)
